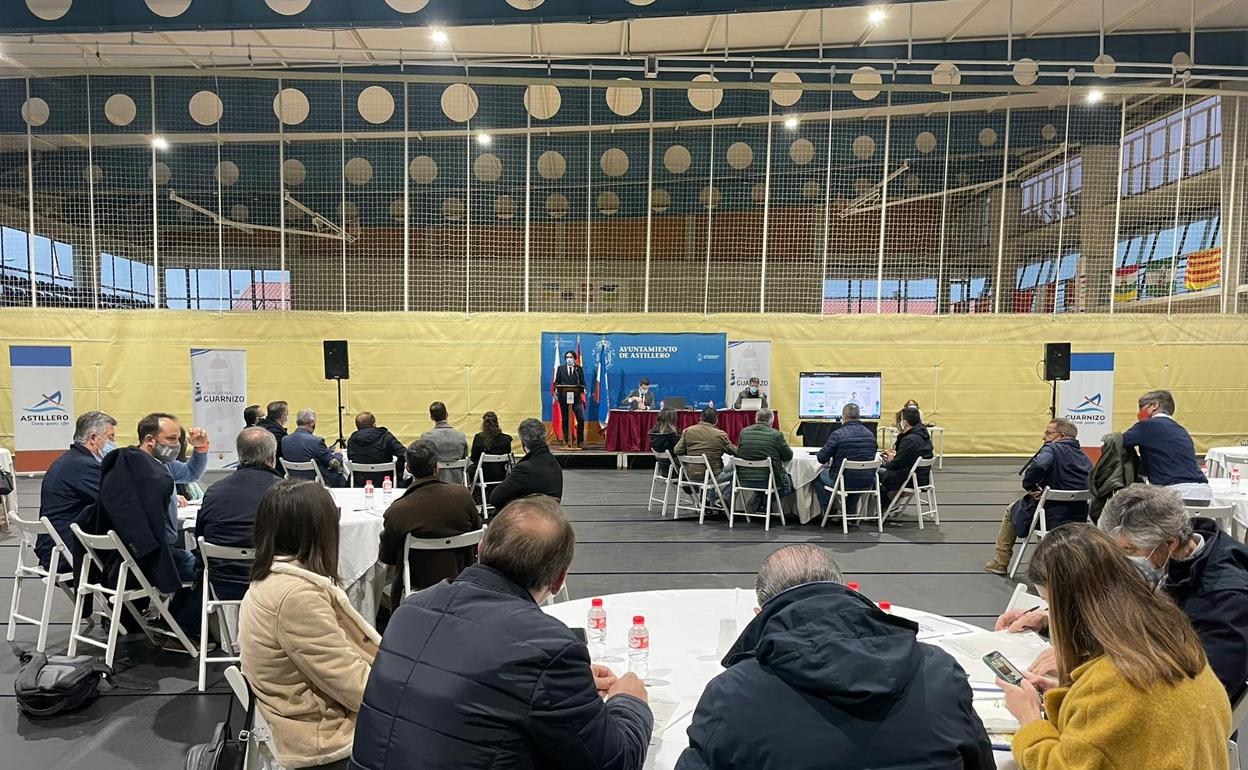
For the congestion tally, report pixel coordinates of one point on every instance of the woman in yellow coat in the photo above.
(1134, 689)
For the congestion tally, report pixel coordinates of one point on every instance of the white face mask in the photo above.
(644, 390)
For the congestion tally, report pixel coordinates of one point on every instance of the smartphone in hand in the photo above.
(1003, 668)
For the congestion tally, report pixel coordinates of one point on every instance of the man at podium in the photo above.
(752, 391)
(569, 385)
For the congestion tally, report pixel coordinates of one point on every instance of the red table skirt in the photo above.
(629, 431)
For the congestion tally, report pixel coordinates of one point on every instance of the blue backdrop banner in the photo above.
(690, 366)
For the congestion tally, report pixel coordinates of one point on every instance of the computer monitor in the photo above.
(675, 402)
(751, 404)
(822, 395)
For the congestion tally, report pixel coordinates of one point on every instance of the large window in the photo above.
(1153, 154)
(1143, 262)
(125, 281)
(1052, 194)
(211, 289)
(54, 269)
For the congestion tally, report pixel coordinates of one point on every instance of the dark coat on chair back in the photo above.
(227, 517)
(822, 679)
(537, 473)
(1116, 469)
(70, 487)
(429, 508)
(472, 674)
(134, 502)
(911, 446)
(374, 446)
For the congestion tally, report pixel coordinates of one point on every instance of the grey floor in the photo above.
(158, 713)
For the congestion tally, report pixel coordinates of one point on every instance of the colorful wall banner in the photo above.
(746, 359)
(1087, 398)
(691, 366)
(43, 404)
(219, 388)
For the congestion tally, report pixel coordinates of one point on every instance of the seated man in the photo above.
(472, 673)
(228, 512)
(913, 443)
(537, 473)
(1167, 454)
(750, 391)
(374, 446)
(706, 439)
(429, 508)
(452, 444)
(276, 415)
(852, 441)
(822, 679)
(72, 483)
(1059, 464)
(304, 445)
(642, 398)
(760, 441)
(251, 416)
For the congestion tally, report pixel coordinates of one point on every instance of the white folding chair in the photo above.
(482, 486)
(666, 478)
(390, 469)
(697, 485)
(1023, 599)
(214, 606)
(28, 569)
(309, 467)
(410, 544)
(1223, 514)
(1039, 525)
(8, 503)
(923, 495)
(841, 495)
(259, 754)
(118, 596)
(1239, 721)
(558, 598)
(770, 492)
(454, 472)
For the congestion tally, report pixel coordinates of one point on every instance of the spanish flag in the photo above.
(1128, 283)
(1204, 269)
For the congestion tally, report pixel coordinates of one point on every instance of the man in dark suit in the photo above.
(642, 398)
(537, 473)
(304, 445)
(429, 508)
(72, 483)
(571, 374)
(373, 445)
(275, 417)
(228, 513)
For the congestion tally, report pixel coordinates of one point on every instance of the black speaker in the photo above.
(336, 365)
(1056, 361)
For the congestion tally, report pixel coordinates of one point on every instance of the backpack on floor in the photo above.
(48, 685)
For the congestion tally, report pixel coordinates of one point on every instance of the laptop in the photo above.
(675, 402)
(751, 404)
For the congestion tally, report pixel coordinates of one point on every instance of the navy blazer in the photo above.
(70, 486)
(302, 446)
(852, 441)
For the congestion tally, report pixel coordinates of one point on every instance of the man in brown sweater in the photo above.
(430, 508)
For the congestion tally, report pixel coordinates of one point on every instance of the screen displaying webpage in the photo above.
(822, 395)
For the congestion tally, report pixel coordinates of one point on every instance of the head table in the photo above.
(685, 630)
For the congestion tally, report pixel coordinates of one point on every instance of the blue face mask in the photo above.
(109, 446)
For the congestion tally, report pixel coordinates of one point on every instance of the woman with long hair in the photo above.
(491, 441)
(305, 651)
(664, 435)
(1133, 688)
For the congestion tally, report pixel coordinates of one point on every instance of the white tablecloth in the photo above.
(684, 630)
(1225, 494)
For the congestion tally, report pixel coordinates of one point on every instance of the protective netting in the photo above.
(811, 193)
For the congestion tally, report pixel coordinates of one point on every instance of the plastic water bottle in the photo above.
(369, 499)
(852, 586)
(886, 607)
(596, 628)
(639, 648)
(387, 489)
(1235, 478)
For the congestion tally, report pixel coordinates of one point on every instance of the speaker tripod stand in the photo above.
(341, 442)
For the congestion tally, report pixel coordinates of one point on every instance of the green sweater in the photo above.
(762, 442)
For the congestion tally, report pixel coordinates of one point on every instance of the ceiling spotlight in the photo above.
(877, 16)
(1095, 96)
(160, 143)
(791, 122)
(438, 36)
(484, 139)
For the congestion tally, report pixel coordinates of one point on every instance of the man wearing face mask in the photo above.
(751, 391)
(571, 374)
(913, 443)
(72, 483)
(642, 398)
(1167, 454)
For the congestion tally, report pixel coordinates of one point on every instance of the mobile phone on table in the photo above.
(1003, 668)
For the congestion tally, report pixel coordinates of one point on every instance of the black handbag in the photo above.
(226, 750)
(6, 483)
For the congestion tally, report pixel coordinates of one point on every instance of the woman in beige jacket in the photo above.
(305, 651)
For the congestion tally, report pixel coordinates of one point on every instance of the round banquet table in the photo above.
(684, 630)
(359, 534)
(629, 431)
(1224, 493)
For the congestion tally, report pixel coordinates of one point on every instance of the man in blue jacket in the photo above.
(304, 445)
(1060, 463)
(852, 441)
(821, 678)
(72, 482)
(472, 674)
(1167, 454)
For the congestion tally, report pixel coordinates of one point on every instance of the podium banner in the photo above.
(43, 404)
(219, 384)
(688, 366)
(746, 359)
(1087, 398)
